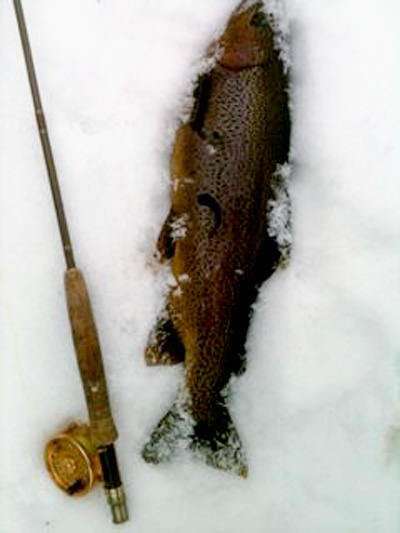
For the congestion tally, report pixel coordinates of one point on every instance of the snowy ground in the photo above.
(319, 406)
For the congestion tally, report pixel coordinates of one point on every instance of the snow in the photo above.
(318, 408)
(279, 210)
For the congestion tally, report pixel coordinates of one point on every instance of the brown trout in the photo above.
(223, 169)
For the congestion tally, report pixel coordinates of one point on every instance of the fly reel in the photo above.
(73, 461)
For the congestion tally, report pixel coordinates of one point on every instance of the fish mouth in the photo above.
(247, 38)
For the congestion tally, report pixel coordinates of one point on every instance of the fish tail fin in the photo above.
(172, 433)
(217, 443)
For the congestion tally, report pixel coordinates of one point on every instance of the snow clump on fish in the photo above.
(280, 211)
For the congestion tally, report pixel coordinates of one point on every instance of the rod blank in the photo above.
(44, 137)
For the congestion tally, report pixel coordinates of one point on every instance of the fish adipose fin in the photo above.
(217, 444)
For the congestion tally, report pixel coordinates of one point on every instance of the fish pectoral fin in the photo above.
(164, 346)
(217, 443)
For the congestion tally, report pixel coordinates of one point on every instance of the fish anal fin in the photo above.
(164, 346)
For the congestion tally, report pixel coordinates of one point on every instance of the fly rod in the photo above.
(102, 433)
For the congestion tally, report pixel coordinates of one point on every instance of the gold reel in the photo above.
(73, 461)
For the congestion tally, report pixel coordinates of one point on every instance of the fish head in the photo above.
(248, 38)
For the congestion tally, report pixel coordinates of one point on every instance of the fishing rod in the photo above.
(80, 449)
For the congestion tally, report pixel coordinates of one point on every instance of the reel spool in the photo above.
(73, 461)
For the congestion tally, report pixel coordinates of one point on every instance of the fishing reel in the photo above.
(76, 464)
(73, 460)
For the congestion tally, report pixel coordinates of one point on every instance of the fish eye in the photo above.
(259, 20)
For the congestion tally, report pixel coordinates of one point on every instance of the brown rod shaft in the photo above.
(84, 332)
(44, 137)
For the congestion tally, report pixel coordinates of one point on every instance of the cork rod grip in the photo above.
(88, 353)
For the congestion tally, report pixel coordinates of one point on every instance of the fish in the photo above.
(215, 238)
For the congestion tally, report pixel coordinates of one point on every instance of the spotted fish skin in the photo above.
(223, 165)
